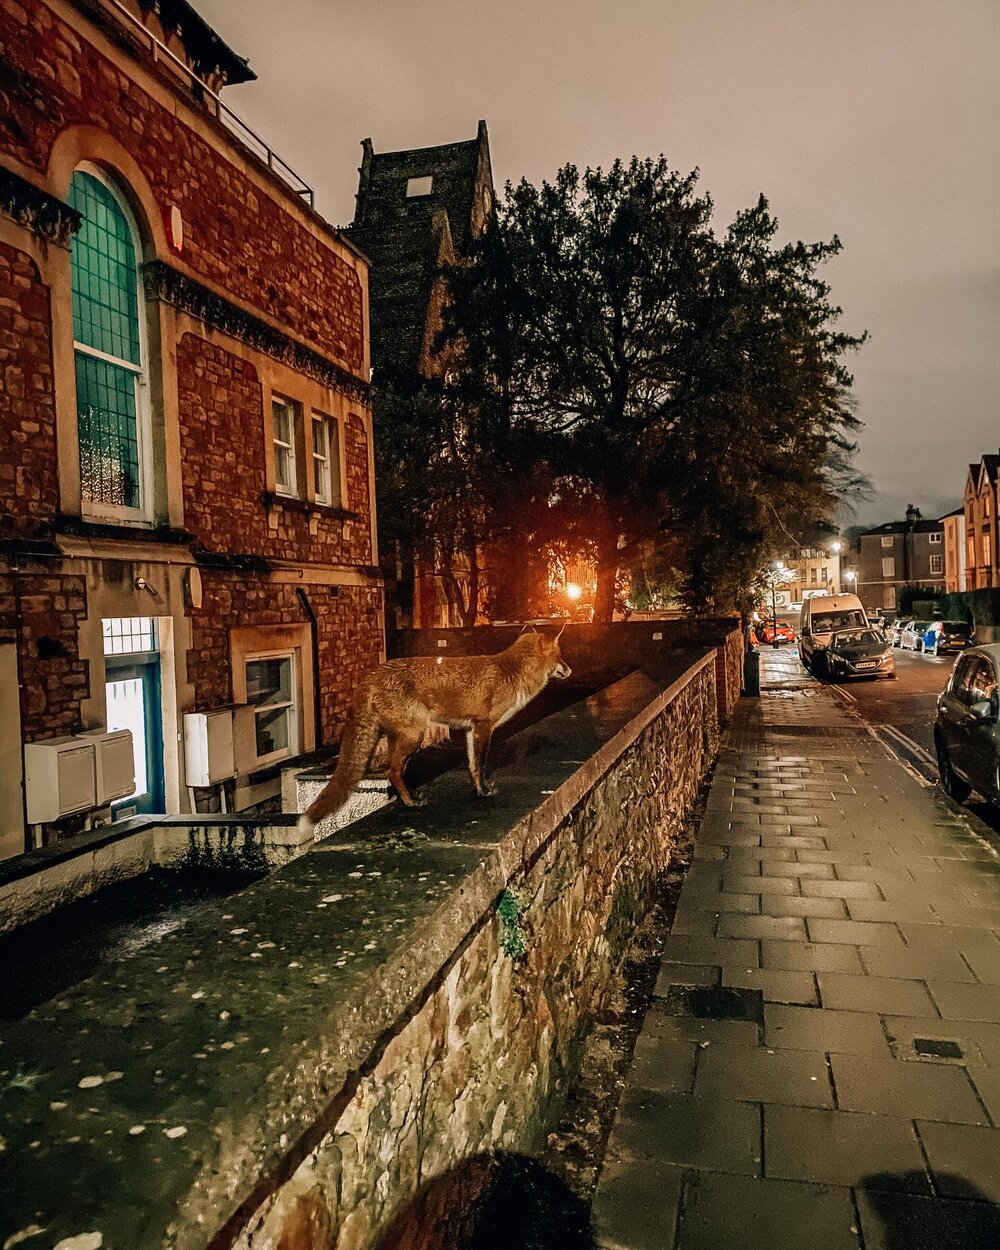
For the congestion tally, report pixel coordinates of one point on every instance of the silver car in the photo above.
(912, 636)
(966, 735)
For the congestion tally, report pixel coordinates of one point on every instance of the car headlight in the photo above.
(886, 654)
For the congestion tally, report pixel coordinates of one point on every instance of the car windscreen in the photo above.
(854, 637)
(829, 622)
(962, 628)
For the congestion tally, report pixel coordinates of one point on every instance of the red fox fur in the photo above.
(410, 700)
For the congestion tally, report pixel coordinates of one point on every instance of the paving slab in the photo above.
(840, 1032)
(843, 992)
(916, 1090)
(728, 1212)
(688, 1131)
(842, 1148)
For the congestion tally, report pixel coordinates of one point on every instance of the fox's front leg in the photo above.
(478, 744)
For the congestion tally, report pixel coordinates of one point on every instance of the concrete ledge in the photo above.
(312, 1047)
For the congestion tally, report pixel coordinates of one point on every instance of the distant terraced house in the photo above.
(187, 540)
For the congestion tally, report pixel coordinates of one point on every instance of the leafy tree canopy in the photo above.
(663, 387)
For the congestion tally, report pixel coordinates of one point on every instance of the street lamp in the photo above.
(835, 548)
(850, 576)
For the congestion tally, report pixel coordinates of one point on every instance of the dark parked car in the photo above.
(941, 637)
(965, 733)
(860, 653)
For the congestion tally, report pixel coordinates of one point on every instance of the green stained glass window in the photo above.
(105, 273)
(106, 329)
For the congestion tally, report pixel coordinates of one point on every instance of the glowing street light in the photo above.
(835, 548)
(573, 591)
(850, 575)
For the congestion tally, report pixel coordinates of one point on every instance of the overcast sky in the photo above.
(873, 119)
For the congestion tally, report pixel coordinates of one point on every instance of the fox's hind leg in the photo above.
(478, 745)
(402, 744)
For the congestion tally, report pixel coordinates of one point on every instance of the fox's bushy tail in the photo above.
(361, 733)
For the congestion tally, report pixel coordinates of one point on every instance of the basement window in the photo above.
(416, 187)
(270, 682)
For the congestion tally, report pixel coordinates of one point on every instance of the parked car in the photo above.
(894, 631)
(860, 653)
(912, 637)
(966, 735)
(776, 631)
(940, 637)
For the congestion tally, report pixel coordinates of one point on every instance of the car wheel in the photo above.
(951, 783)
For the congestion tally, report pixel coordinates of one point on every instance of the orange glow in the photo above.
(573, 591)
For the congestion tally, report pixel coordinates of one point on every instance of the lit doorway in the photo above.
(132, 689)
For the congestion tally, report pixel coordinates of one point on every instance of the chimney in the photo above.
(912, 515)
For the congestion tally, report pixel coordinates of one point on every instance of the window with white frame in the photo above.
(109, 332)
(271, 691)
(889, 597)
(934, 538)
(937, 564)
(887, 541)
(326, 460)
(285, 418)
(889, 566)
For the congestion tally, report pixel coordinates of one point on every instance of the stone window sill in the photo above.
(276, 504)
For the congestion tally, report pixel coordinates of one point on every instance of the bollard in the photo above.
(751, 674)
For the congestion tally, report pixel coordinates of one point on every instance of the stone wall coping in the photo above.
(226, 1052)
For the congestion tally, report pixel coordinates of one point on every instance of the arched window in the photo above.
(109, 342)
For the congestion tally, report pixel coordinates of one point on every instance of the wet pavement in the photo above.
(820, 1067)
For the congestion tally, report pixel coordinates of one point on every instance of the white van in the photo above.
(823, 615)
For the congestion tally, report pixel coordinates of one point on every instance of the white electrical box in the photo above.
(208, 747)
(114, 763)
(60, 778)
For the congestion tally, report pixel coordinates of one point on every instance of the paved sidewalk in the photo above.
(820, 1068)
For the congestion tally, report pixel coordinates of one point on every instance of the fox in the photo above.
(413, 702)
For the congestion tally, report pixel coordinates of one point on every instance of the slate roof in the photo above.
(904, 527)
(403, 237)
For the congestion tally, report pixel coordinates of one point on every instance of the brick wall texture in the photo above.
(29, 486)
(244, 241)
(221, 425)
(348, 627)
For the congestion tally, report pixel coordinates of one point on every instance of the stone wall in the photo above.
(289, 1070)
(29, 484)
(236, 236)
(483, 1063)
(56, 678)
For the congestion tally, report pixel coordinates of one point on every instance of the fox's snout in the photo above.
(561, 671)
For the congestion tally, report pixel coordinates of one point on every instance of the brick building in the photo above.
(898, 554)
(417, 214)
(980, 502)
(186, 482)
(815, 561)
(955, 566)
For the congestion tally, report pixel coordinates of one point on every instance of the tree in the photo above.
(687, 389)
